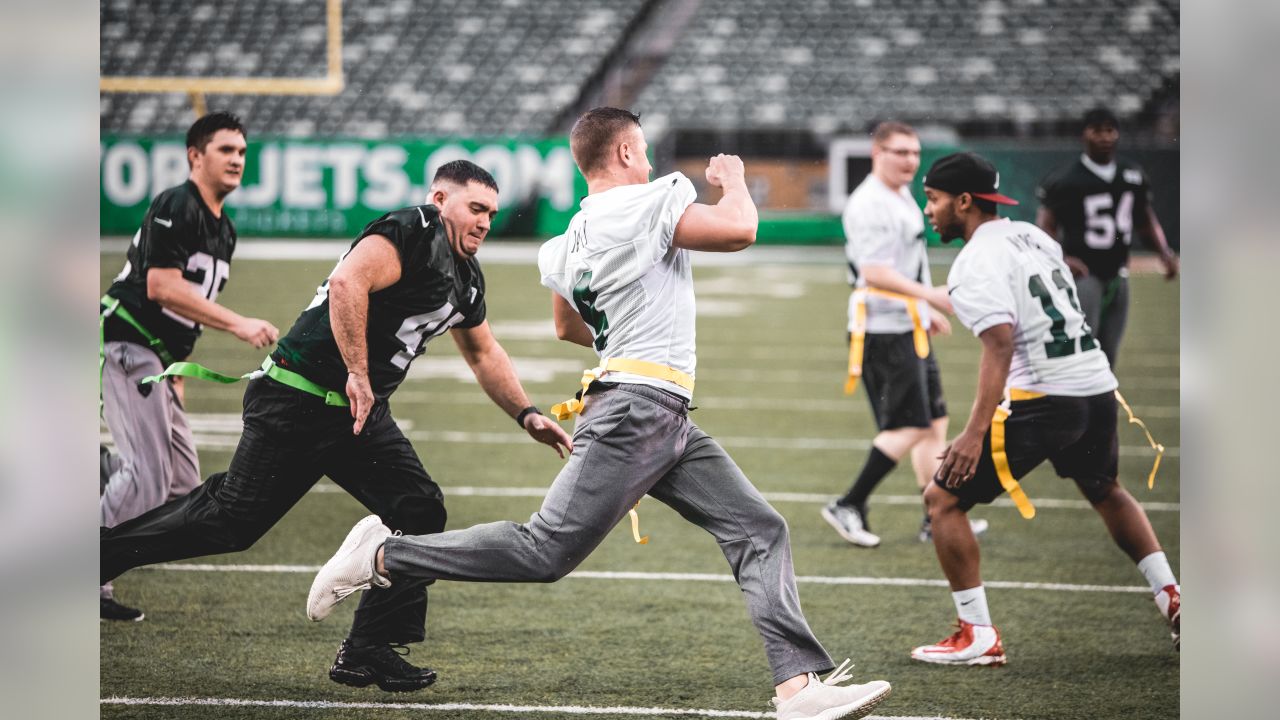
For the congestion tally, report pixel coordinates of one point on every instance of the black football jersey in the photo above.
(436, 291)
(1096, 218)
(178, 231)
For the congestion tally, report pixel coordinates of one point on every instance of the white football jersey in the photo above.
(885, 227)
(1011, 272)
(616, 264)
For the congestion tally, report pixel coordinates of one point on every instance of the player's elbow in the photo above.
(740, 236)
(159, 290)
(340, 286)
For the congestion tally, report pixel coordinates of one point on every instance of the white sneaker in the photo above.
(976, 525)
(350, 569)
(850, 524)
(1169, 600)
(970, 645)
(825, 700)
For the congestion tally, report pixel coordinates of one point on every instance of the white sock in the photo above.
(971, 606)
(1155, 568)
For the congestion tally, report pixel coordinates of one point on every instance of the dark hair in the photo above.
(987, 207)
(203, 130)
(1098, 117)
(461, 172)
(887, 129)
(591, 139)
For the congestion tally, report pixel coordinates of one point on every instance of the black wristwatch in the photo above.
(531, 410)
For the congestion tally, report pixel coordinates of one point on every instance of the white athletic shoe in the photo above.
(970, 645)
(976, 525)
(850, 524)
(825, 700)
(1169, 600)
(350, 569)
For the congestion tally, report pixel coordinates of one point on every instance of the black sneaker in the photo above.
(381, 664)
(109, 609)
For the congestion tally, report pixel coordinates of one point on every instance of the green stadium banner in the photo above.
(334, 187)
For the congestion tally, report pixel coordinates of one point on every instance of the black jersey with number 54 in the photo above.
(1096, 217)
(436, 291)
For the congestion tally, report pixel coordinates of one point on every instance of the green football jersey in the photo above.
(437, 290)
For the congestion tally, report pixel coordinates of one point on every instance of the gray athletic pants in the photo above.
(633, 440)
(157, 456)
(1106, 308)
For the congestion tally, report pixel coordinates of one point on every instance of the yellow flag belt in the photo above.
(1000, 458)
(919, 333)
(573, 406)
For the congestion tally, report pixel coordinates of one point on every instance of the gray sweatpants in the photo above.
(1105, 304)
(630, 441)
(157, 456)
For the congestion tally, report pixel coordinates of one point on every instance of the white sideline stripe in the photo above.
(748, 443)
(699, 577)
(845, 405)
(811, 498)
(452, 707)
(227, 441)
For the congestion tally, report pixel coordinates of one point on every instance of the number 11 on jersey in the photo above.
(1061, 344)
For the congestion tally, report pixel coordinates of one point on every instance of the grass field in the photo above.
(771, 359)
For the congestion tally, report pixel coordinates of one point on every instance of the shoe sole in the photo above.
(835, 524)
(140, 618)
(981, 660)
(358, 679)
(315, 610)
(862, 708)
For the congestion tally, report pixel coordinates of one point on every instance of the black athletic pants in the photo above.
(290, 440)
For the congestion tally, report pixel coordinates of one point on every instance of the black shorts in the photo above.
(904, 390)
(1076, 434)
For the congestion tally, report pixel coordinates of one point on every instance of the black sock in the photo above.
(877, 466)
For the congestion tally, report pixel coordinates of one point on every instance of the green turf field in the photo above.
(769, 385)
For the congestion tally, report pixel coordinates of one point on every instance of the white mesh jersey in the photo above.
(885, 227)
(1011, 272)
(617, 266)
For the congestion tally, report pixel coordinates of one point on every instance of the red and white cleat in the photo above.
(970, 645)
(1169, 600)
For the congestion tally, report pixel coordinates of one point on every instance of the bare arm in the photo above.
(167, 287)
(1152, 233)
(960, 458)
(495, 373)
(885, 277)
(569, 324)
(1048, 222)
(372, 265)
(729, 225)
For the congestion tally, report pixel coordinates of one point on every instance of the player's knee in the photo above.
(421, 516)
(1101, 492)
(938, 501)
(770, 525)
(553, 569)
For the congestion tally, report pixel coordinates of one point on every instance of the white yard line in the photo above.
(215, 440)
(698, 577)
(775, 497)
(456, 707)
(855, 405)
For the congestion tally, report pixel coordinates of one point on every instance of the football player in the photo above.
(622, 283)
(152, 315)
(1093, 207)
(320, 407)
(1045, 392)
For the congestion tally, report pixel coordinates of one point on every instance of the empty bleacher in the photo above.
(413, 67)
(831, 64)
